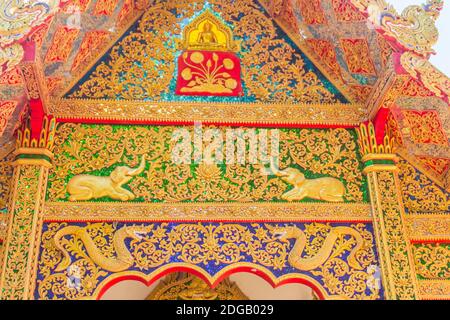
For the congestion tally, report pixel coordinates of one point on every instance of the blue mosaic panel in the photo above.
(95, 251)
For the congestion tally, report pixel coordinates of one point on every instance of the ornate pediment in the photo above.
(143, 63)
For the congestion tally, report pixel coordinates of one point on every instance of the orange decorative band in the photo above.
(32, 161)
(380, 167)
(434, 289)
(428, 227)
(34, 151)
(101, 211)
(221, 113)
(380, 156)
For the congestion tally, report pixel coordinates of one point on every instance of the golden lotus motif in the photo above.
(207, 75)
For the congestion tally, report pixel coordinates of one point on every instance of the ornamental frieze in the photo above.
(432, 260)
(420, 194)
(136, 164)
(216, 112)
(222, 58)
(339, 258)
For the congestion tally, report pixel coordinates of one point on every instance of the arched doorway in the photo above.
(184, 286)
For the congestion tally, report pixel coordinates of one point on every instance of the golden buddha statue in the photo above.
(207, 36)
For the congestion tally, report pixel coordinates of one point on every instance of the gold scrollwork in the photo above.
(25, 216)
(258, 113)
(62, 211)
(420, 194)
(434, 289)
(82, 149)
(144, 60)
(396, 262)
(432, 260)
(90, 248)
(428, 227)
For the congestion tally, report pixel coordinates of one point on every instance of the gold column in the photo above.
(19, 259)
(394, 250)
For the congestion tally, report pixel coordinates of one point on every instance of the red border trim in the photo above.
(218, 123)
(368, 221)
(251, 270)
(431, 241)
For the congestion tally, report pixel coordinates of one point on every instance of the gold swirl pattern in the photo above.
(420, 194)
(6, 172)
(141, 66)
(432, 261)
(396, 264)
(211, 246)
(96, 149)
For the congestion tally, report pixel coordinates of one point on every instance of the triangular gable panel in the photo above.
(142, 64)
(420, 194)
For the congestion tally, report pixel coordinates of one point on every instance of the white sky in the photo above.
(441, 59)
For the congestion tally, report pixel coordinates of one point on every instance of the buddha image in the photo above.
(207, 36)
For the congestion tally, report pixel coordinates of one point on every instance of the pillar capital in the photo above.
(35, 151)
(376, 156)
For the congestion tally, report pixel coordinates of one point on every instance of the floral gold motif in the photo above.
(434, 289)
(95, 149)
(209, 74)
(420, 194)
(432, 261)
(167, 112)
(428, 227)
(200, 245)
(25, 216)
(388, 215)
(293, 211)
(145, 60)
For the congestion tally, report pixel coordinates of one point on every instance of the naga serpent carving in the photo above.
(414, 29)
(311, 263)
(121, 262)
(86, 187)
(17, 19)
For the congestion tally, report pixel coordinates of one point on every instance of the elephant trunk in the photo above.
(139, 169)
(275, 169)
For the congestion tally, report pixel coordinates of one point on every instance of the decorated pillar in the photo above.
(388, 215)
(31, 164)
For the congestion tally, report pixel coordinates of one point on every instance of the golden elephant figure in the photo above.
(326, 189)
(85, 187)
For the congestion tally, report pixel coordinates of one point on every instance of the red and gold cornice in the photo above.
(240, 114)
